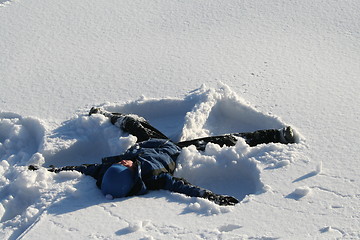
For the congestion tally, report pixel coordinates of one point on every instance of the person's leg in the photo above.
(284, 135)
(132, 124)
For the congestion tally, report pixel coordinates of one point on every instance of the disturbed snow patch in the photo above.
(225, 170)
(233, 170)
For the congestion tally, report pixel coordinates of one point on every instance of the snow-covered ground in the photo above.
(192, 68)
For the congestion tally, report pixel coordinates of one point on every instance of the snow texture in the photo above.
(192, 69)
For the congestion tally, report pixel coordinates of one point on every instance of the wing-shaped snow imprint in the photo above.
(228, 170)
(206, 112)
(203, 112)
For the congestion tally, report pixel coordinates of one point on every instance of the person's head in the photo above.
(118, 181)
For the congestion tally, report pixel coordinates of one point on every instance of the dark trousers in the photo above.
(143, 130)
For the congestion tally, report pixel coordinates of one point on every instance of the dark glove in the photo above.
(221, 200)
(33, 167)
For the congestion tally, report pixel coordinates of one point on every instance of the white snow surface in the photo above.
(192, 69)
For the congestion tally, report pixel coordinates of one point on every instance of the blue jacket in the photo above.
(155, 160)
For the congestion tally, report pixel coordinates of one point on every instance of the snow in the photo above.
(192, 69)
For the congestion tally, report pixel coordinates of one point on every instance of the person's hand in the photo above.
(127, 163)
(228, 200)
(222, 200)
(33, 167)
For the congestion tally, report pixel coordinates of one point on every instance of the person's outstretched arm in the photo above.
(94, 170)
(168, 182)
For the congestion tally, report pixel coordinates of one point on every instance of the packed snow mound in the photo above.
(86, 139)
(3, 3)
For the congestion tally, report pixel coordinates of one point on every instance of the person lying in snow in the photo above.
(151, 162)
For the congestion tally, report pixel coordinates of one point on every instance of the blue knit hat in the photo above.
(118, 180)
